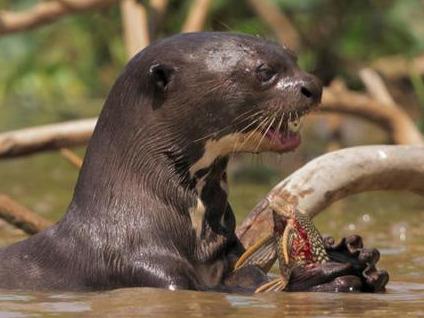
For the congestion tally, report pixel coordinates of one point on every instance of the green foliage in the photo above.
(62, 70)
(56, 69)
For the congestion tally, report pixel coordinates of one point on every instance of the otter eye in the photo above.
(265, 73)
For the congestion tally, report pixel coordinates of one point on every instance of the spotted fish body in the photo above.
(299, 243)
(295, 240)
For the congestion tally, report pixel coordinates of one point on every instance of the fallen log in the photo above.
(336, 175)
(49, 137)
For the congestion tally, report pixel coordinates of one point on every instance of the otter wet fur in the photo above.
(150, 206)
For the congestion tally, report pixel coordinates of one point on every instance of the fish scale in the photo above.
(295, 241)
(312, 238)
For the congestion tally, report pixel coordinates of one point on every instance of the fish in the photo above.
(294, 242)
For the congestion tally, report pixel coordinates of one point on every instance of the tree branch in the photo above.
(135, 25)
(401, 129)
(336, 175)
(49, 137)
(278, 22)
(72, 157)
(395, 67)
(376, 87)
(20, 216)
(197, 15)
(46, 12)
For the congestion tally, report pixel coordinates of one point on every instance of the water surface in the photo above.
(389, 221)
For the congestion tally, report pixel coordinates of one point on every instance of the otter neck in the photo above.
(141, 165)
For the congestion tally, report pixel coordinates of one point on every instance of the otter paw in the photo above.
(363, 260)
(321, 277)
(341, 284)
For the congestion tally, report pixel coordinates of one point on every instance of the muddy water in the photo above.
(401, 299)
(393, 222)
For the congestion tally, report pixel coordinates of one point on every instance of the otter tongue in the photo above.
(286, 138)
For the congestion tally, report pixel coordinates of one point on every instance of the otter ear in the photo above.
(161, 74)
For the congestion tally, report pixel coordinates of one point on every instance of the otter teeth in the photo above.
(295, 125)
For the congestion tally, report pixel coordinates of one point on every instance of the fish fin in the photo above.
(276, 285)
(261, 254)
(285, 243)
(284, 252)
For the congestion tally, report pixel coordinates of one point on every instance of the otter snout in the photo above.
(311, 89)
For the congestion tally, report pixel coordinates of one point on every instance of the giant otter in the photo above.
(150, 206)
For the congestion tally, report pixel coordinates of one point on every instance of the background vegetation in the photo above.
(63, 71)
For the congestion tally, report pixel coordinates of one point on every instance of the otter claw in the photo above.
(351, 250)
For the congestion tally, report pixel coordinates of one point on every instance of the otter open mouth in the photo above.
(285, 136)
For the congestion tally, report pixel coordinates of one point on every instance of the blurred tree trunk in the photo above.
(135, 26)
(157, 11)
(278, 21)
(197, 15)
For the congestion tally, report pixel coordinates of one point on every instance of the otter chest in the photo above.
(212, 211)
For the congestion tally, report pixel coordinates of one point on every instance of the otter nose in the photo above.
(311, 89)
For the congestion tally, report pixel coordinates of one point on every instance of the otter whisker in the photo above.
(249, 125)
(211, 134)
(230, 125)
(280, 123)
(264, 134)
(247, 112)
(239, 147)
(256, 114)
(244, 129)
(258, 128)
(290, 119)
(260, 112)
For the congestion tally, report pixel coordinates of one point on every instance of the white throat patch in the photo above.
(237, 142)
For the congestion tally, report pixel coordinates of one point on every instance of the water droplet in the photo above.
(366, 218)
(382, 155)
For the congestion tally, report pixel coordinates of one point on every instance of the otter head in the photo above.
(192, 98)
(221, 93)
